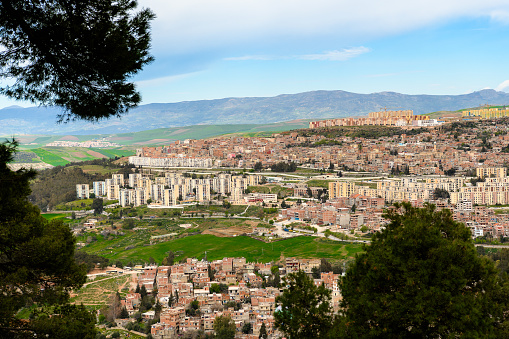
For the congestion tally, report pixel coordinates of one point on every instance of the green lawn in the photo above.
(319, 183)
(242, 246)
(52, 216)
(114, 152)
(49, 157)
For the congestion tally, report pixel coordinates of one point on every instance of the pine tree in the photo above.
(78, 54)
(421, 277)
(36, 262)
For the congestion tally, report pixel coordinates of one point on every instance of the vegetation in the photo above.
(306, 311)
(224, 327)
(132, 247)
(58, 185)
(422, 277)
(284, 167)
(37, 264)
(55, 60)
(369, 132)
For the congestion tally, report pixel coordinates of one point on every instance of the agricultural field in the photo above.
(218, 248)
(96, 293)
(55, 216)
(59, 156)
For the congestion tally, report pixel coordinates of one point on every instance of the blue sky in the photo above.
(208, 49)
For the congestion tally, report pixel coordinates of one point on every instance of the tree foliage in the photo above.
(305, 310)
(78, 55)
(421, 277)
(36, 260)
(224, 326)
(440, 193)
(284, 167)
(97, 206)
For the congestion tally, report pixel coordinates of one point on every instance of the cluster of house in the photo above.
(339, 213)
(181, 284)
(356, 211)
(87, 144)
(434, 151)
(382, 118)
(171, 188)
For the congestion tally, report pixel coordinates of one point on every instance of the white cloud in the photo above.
(504, 86)
(501, 16)
(342, 55)
(194, 25)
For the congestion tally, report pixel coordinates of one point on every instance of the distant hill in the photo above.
(164, 136)
(309, 105)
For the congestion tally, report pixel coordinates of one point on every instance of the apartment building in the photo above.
(82, 191)
(339, 189)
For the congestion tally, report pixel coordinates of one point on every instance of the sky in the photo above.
(210, 49)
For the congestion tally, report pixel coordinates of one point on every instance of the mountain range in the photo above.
(313, 105)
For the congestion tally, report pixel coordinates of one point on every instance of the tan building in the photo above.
(489, 172)
(339, 189)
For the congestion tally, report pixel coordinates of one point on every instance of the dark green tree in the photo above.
(97, 206)
(78, 55)
(304, 309)
(258, 166)
(263, 332)
(421, 277)
(143, 291)
(36, 262)
(440, 193)
(170, 258)
(124, 314)
(224, 326)
(247, 328)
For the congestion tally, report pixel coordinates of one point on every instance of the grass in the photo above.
(55, 216)
(242, 246)
(49, 157)
(368, 184)
(97, 294)
(274, 189)
(83, 204)
(58, 156)
(318, 183)
(123, 333)
(114, 152)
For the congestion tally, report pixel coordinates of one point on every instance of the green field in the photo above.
(242, 246)
(59, 156)
(162, 136)
(319, 183)
(50, 157)
(55, 216)
(114, 152)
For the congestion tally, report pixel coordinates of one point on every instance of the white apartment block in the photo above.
(99, 188)
(82, 191)
(171, 162)
(167, 190)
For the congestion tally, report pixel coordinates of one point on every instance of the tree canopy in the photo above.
(421, 277)
(37, 264)
(78, 54)
(304, 310)
(224, 326)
